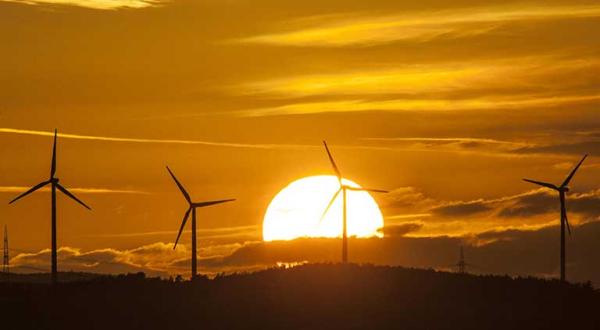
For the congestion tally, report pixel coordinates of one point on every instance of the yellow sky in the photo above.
(448, 104)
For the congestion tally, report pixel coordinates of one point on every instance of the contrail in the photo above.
(16, 189)
(226, 144)
(139, 140)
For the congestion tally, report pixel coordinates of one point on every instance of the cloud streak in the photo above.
(363, 30)
(516, 84)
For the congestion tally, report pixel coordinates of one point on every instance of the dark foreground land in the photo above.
(305, 297)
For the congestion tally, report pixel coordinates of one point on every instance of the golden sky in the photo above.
(448, 104)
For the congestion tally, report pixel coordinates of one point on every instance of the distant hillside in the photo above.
(315, 296)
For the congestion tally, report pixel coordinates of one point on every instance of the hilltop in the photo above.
(314, 296)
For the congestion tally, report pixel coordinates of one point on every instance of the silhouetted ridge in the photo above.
(314, 296)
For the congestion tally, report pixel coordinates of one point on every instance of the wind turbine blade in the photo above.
(185, 217)
(209, 203)
(367, 189)
(330, 203)
(183, 191)
(568, 179)
(335, 168)
(544, 184)
(53, 166)
(40, 185)
(68, 193)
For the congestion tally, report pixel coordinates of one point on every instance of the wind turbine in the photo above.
(192, 208)
(53, 182)
(562, 191)
(343, 188)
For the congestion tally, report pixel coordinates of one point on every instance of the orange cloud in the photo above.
(154, 258)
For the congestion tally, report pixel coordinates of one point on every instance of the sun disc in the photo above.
(296, 211)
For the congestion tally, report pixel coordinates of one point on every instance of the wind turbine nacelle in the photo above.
(565, 189)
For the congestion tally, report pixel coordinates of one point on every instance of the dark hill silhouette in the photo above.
(314, 296)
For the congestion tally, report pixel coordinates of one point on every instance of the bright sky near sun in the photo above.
(447, 104)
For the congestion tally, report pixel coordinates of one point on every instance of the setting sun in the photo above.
(296, 211)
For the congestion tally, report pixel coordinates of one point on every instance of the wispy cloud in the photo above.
(16, 189)
(366, 30)
(95, 4)
(403, 80)
(442, 84)
(511, 84)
